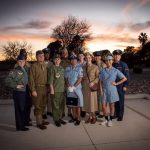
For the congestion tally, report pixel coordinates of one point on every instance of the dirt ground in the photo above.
(139, 83)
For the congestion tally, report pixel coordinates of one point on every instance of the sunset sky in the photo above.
(114, 23)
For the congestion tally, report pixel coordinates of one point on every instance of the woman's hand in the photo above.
(113, 83)
(91, 84)
(34, 93)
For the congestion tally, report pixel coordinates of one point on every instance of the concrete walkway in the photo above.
(132, 133)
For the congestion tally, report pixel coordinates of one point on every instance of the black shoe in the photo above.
(23, 129)
(119, 119)
(62, 121)
(57, 123)
(50, 114)
(44, 116)
(83, 114)
(41, 126)
(77, 122)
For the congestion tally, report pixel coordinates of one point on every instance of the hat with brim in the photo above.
(21, 57)
(109, 58)
(97, 53)
(117, 52)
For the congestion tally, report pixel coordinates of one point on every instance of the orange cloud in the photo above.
(115, 37)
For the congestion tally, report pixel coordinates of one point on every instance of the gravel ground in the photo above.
(139, 83)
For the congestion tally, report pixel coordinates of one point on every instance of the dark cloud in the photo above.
(29, 25)
(140, 26)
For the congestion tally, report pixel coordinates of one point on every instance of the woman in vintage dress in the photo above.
(90, 77)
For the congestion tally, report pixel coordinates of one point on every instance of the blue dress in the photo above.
(73, 75)
(108, 76)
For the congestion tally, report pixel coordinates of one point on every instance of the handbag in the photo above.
(95, 85)
(72, 101)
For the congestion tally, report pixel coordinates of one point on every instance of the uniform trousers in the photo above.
(39, 103)
(57, 105)
(20, 111)
(119, 105)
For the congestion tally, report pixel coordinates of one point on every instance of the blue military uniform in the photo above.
(19, 77)
(73, 75)
(121, 66)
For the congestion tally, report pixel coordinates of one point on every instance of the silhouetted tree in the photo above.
(70, 28)
(76, 45)
(144, 54)
(142, 38)
(12, 49)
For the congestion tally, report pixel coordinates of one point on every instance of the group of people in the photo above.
(84, 84)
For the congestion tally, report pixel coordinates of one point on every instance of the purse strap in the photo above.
(87, 75)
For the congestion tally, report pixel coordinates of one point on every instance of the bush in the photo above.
(137, 69)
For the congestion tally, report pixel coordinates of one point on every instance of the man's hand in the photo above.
(34, 93)
(52, 91)
(20, 86)
(124, 89)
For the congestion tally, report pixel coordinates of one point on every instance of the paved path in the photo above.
(133, 133)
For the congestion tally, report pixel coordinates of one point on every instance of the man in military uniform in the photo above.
(38, 87)
(18, 80)
(28, 96)
(122, 66)
(57, 87)
(101, 65)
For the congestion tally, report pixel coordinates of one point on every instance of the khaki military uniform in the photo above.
(49, 103)
(90, 98)
(56, 78)
(38, 83)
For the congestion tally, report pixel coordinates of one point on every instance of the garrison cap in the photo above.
(109, 57)
(57, 56)
(117, 52)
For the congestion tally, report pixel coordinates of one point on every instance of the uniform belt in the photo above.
(41, 85)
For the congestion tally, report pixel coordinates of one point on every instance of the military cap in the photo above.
(97, 53)
(20, 57)
(39, 52)
(57, 56)
(73, 56)
(117, 52)
(109, 57)
(45, 50)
